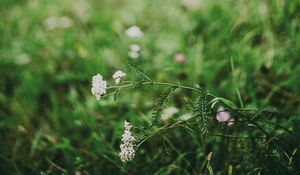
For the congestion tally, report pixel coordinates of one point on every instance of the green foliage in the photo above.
(51, 124)
(202, 112)
(161, 103)
(139, 73)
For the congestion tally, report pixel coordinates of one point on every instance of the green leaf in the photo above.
(140, 74)
(225, 101)
(201, 112)
(163, 99)
(229, 170)
(210, 170)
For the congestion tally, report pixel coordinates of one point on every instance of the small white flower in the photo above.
(133, 54)
(134, 32)
(118, 75)
(135, 47)
(51, 23)
(98, 86)
(127, 151)
(168, 113)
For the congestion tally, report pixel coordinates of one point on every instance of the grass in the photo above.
(245, 51)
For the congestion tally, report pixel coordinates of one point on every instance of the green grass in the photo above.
(51, 124)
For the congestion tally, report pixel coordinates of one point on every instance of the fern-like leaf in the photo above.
(140, 74)
(201, 112)
(163, 99)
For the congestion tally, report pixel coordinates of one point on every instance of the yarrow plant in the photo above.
(127, 151)
(98, 86)
(206, 114)
(118, 75)
(134, 32)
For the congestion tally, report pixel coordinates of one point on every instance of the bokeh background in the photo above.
(49, 50)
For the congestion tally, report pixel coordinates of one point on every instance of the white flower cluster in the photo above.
(98, 86)
(134, 32)
(134, 51)
(127, 151)
(118, 75)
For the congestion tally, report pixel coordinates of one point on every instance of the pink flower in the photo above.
(223, 116)
(179, 58)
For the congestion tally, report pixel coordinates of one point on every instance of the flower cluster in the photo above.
(134, 51)
(118, 75)
(223, 116)
(134, 32)
(98, 86)
(127, 151)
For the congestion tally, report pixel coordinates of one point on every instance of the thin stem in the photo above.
(157, 83)
(181, 123)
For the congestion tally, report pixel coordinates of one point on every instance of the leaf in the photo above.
(163, 99)
(140, 74)
(201, 112)
(116, 94)
(229, 170)
(225, 101)
(210, 170)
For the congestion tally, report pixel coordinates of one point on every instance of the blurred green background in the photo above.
(49, 50)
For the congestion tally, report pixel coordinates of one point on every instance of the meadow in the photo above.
(211, 87)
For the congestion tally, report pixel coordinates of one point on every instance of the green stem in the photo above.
(158, 83)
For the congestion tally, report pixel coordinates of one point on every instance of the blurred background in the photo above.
(49, 50)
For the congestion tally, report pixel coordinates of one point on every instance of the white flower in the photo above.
(118, 75)
(223, 116)
(133, 54)
(135, 47)
(98, 86)
(168, 113)
(127, 151)
(51, 23)
(134, 32)
(134, 51)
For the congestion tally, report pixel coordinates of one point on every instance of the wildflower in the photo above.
(127, 151)
(179, 58)
(135, 47)
(98, 86)
(168, 113)
(133, 55)
(51, 23)
(209, 156)
(222, 115)
(118, 75)
(134, 32)
(134, 51)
